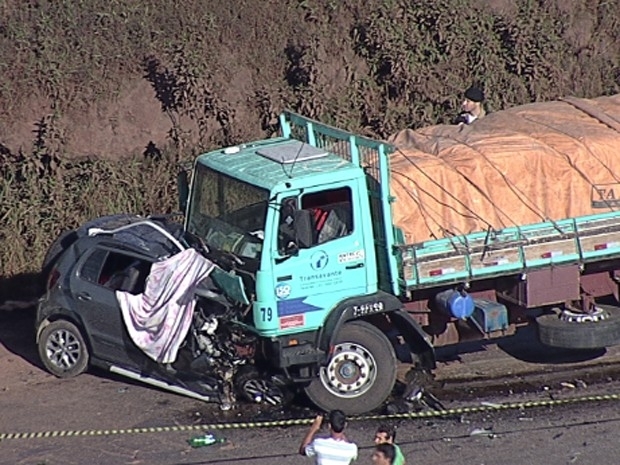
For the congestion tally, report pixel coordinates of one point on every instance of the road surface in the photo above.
(157, 424)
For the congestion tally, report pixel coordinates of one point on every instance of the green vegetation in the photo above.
(41, 196)
(223, 72)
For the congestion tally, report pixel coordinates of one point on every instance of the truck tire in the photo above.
(554, 332)
(360, 374)
(62, 349)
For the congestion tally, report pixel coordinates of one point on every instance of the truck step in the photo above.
(489, 316)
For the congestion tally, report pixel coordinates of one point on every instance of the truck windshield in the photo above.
(227, 213)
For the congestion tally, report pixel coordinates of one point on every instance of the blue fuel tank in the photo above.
(458, 304)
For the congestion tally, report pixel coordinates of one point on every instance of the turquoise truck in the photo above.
(338, 300)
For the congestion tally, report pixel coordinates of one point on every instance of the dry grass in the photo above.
(40, 197)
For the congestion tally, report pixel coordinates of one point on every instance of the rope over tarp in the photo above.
(527, 164)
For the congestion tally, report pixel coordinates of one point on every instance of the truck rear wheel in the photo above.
(360, 374)
(587, 332)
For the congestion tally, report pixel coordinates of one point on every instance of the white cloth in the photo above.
(158, 319)
(330, 451)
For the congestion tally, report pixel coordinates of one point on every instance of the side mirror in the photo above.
(304, 236)
(183, 188)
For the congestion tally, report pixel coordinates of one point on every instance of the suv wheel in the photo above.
(63, 350)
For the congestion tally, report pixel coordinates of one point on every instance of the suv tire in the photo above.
(62, 349)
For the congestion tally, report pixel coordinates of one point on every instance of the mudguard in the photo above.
(374, 304)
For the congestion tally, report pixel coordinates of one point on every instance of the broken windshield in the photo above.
(227, 213)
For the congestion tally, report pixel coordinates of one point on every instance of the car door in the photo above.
(329, 268)
(98, 275)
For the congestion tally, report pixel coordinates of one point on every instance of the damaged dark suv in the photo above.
(126, 294)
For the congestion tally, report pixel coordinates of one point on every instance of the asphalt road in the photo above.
(580, 432)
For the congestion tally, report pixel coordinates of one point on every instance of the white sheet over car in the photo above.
(158, 319)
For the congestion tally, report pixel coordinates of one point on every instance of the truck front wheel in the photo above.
(360, 373)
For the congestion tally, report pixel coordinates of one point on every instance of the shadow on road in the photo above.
(364, 451)
(524, 346)
(18, 298)
(17, 333)
(18, 286)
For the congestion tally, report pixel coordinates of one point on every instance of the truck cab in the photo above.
(306, 227)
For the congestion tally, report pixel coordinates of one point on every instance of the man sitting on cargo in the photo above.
(472, 107)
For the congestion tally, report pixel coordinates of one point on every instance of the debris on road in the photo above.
(483, 432)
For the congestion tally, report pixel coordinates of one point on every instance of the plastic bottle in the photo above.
(206, 439)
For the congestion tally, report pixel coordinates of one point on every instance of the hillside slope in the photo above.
(113, 78)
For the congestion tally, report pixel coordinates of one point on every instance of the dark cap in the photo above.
(474, 94)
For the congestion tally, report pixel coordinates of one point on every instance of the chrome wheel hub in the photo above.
(351, 371)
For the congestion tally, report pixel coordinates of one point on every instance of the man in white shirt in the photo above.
(333, 450)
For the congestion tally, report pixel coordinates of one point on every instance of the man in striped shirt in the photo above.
(333, 450)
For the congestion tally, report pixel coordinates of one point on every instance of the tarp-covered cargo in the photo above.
(523, 165)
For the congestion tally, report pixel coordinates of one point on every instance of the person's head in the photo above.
(385, 435)
(384, 454)
(473, 100)
(337, 421)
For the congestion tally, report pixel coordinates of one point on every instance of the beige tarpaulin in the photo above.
(524, 165)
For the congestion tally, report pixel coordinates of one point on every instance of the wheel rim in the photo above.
(351, 371)
(262, 391)
(63, 349)
(573, 317)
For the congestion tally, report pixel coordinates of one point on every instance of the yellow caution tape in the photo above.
(305, 421)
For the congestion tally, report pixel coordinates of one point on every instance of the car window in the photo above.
(330, 213)
(116, 271)
(91, 269)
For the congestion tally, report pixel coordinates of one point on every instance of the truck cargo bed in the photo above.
(511, 250)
